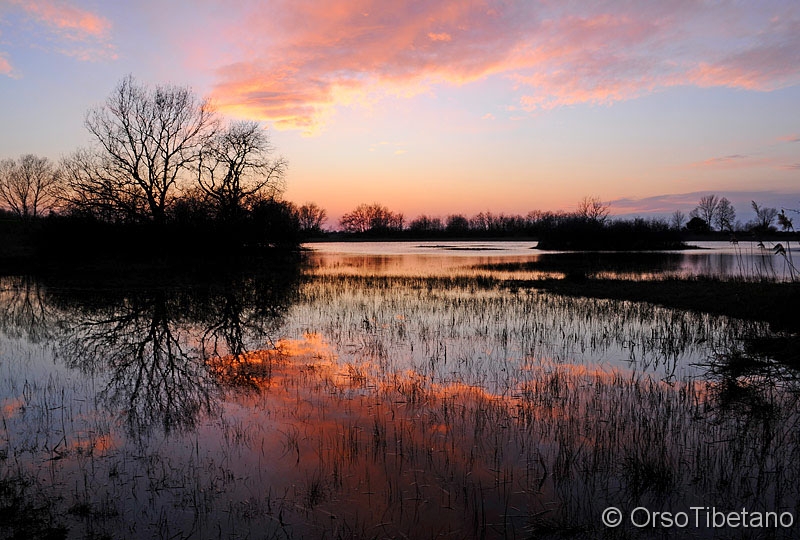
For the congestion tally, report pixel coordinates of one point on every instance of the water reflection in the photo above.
(154, 350)
(598, 264)
(748, 260)
(752, 378)
(141, 347)
(23, 309)
(350, 404)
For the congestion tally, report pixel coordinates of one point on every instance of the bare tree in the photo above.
(147, 137)
(706, 209)
(93, 188)
(725, 215)
(29, 185)
(383, 218)
(678, 220)
(311, 217)
(480, 221)
(369, 217)
(593, 209)
(764, 216)
(236, 165)
(356, 221)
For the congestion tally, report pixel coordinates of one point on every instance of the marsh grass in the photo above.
(462, 406)
(768, 302)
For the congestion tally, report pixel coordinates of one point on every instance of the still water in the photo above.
(381, 391)
(750, 260)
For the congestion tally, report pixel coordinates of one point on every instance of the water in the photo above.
(388, 392)
(749, 260)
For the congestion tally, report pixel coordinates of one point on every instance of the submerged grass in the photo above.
(393, 406)
(773, 302)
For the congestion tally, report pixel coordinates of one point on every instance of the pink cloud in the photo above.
(61, 27)
(351, 52)
(767, 61)
(733, 161)
(298, 61)
(70, 21)
(5, 66)
(789, 138)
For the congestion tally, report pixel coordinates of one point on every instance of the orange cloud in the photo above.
(443, 36)
(300, 61)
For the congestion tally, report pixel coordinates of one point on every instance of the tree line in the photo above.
(717, 213)
(712, 214)
(161, 163)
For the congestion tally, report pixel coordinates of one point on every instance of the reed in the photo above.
(459, 405)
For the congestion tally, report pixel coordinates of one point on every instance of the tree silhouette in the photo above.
(764, 216)
(371, 217)
(457, 224)
(706, 209)
(426, 224)
(677, 220)
(725, 215)
(29, 185)
(235, 165)
(146, 139)
(593, 209)
(311, 217)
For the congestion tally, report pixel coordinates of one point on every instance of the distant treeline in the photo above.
(588, 227)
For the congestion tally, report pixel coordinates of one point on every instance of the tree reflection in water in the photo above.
(156, 349)
(24, 313)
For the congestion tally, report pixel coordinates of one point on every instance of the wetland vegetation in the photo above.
(414, 391)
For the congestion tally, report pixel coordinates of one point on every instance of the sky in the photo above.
(444, 107)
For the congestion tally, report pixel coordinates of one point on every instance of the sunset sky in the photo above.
(444, 107)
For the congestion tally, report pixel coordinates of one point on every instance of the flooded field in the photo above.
(406, 390)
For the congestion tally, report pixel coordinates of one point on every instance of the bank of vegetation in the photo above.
(164, 177)
(589, 227)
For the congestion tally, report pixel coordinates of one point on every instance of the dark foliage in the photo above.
(190, 232)
(578, 233)
(698, 225)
